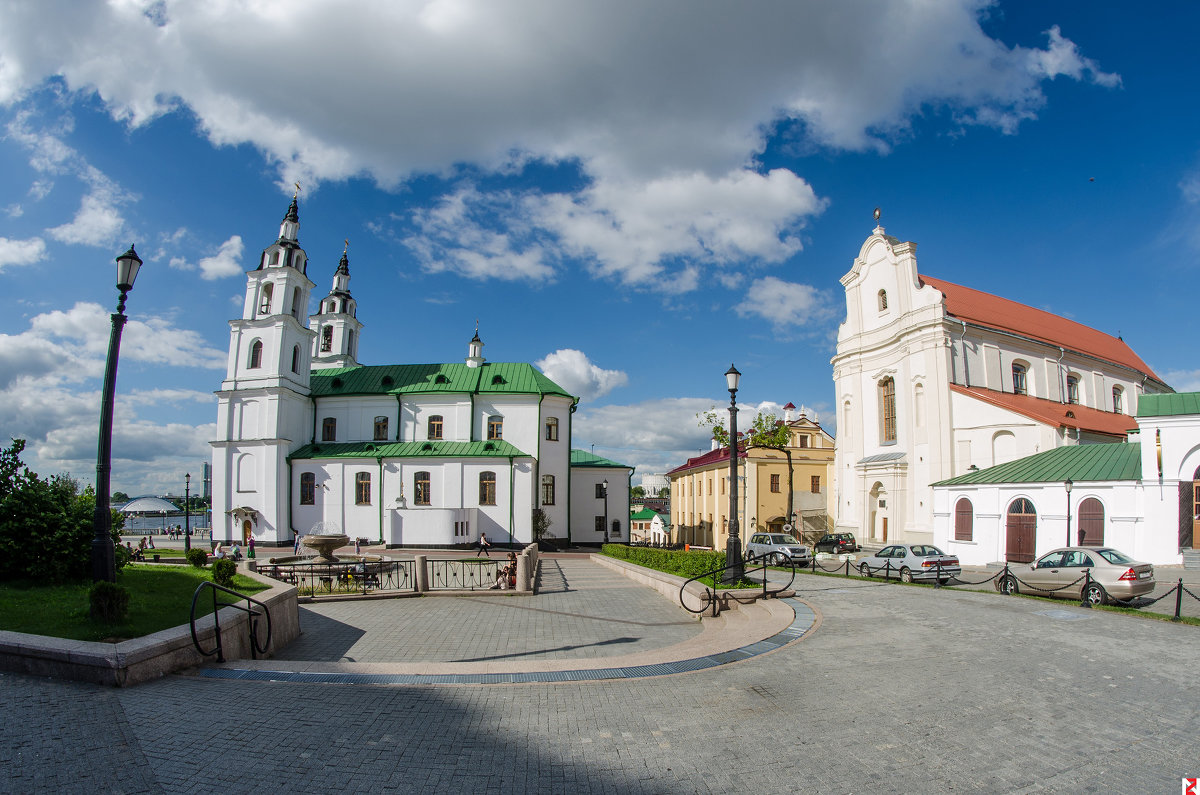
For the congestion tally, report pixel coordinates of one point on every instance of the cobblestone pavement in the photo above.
(896, 691)
(581, 611)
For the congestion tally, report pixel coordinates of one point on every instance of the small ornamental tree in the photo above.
(540, 524)
(766, 431)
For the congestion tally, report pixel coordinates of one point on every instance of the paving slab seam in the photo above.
(805, 618)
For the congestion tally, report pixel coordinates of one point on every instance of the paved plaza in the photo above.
(897, 689)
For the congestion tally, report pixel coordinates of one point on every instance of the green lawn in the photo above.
(159, 598)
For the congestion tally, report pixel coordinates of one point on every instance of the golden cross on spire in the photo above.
(347, 248)
(297, 193)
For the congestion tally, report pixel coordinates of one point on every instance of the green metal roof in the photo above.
(490, 449)
(582, 458)
(1169, 405)
(643, 515)
(1082, 463)
(404, 379)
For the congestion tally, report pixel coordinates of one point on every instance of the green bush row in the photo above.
(689, 563)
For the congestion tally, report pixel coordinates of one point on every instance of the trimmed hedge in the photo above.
(689, 563)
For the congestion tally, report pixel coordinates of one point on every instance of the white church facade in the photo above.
(406, 455)
(933, 380)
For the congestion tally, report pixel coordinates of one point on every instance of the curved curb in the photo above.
(805, 619)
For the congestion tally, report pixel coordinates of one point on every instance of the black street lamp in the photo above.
(187, 515)
(1067, 484)
(103, 554)
(734, 567)
(604, 488)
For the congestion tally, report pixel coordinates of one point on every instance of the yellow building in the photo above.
(700, 489)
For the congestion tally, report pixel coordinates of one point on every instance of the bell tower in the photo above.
(335, 327)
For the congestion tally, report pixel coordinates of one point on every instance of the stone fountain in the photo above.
(323, 541)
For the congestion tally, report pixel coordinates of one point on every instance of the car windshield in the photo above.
(782, 540)
(1113, 556)
(926, 551)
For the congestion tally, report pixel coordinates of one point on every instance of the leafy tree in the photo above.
(120, 496)
(638, 493)
(540, 523)
(766, 432)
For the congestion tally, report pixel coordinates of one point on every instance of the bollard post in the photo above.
(523, 570)
(887, 570)
(937, 581)
(421, 573)
(1178, 598)
(847, 567)
(1087, 579)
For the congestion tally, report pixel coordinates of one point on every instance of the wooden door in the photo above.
(885, 529)
(246, 533)
(1091, 523)
(1022, 532)
(1191, 542)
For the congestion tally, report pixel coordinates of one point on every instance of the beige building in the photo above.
(700, 489)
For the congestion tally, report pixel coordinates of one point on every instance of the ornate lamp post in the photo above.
(187, 514)
(103, 555)
(1067, 484)
(604, 489)
(733, 547)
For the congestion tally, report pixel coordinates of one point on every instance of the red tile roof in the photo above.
(985, 309)
(1053, 413)
(711, 457)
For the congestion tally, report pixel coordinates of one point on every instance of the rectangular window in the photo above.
(362, 488)
(329, 429)
(1072, 389)
(495, 428)
(381, 429)
(308, 488)
(487, 488)
(710, 490)
(599, 524)
(421, 488)
(552, 430)
(435, 427)
(599, 490)
(616, 529)
(804, 441)
(815, 487)
(547, 489)
(888, 395)
(775, 484)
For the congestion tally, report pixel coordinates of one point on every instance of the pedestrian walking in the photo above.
(296, 545)
(358, 546)
(250, 548)
(484, 545)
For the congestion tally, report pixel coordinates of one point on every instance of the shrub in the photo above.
(223, 571)
(109, 602)
(690, 563)
(197, 557)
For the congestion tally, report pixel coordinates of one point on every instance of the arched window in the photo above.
(296, 308)
(1072, 389)
(547, 489)
(918, 407)
(329, 429)
(882, 300)
(246, 473)
(362, 488)
(326, 339)
(887, 406)
(1117, 399)
(1091, 523)
(487, 488)
(552, 429)
(435, 427)
(296, 359)
(256, 354)
(421, 488)
(308, 488)
(351, 343)
(381, 429)
(964, 520)
(495, 427)
(264, 304)
(1020, 386)
(1021, 530)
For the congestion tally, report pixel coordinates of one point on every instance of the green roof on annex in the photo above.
(1170, 404)
(490, 378)
(496, 448)
(583, 458)
(1080, 463)
(643, 515)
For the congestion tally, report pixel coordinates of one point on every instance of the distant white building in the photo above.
(1141, 496)
(406, 454)
(656, 484)
(934, 378)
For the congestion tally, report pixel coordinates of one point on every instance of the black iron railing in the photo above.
(254, 608)
(709, 595)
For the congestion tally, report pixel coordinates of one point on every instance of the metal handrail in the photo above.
(711, 593)
(219, 650)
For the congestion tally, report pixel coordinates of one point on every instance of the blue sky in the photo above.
(630, 195)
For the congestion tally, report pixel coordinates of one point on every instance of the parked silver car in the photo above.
(1111, 575)
(777, 548)
(910, 562)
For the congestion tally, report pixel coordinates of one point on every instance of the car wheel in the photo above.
(777, 559)
(1007, 584)
(905, 575)
(1094, 594)
(864, 570)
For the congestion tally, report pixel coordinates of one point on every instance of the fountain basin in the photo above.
(324, 545)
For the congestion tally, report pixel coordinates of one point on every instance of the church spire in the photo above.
(475, 349)
(289, 227)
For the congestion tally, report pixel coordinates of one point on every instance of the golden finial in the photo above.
(877, 214)
(347, 248)
(297, 193)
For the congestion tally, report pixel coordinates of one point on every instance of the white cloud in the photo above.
(1183, 380)
(226, 262)
(21, 252)
(785, 303)
(574, 372)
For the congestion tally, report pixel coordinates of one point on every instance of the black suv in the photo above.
(837, 543)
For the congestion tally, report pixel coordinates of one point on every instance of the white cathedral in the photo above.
(405, 455)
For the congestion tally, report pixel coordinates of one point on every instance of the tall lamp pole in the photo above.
(1067, 484)
(103, 555)
(187, 515)
(734, 567)
(604, 487)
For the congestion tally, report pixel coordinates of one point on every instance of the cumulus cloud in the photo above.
(226, 262)
(21, 252)
(574, 372)
(786, 303)
(1183, 380)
